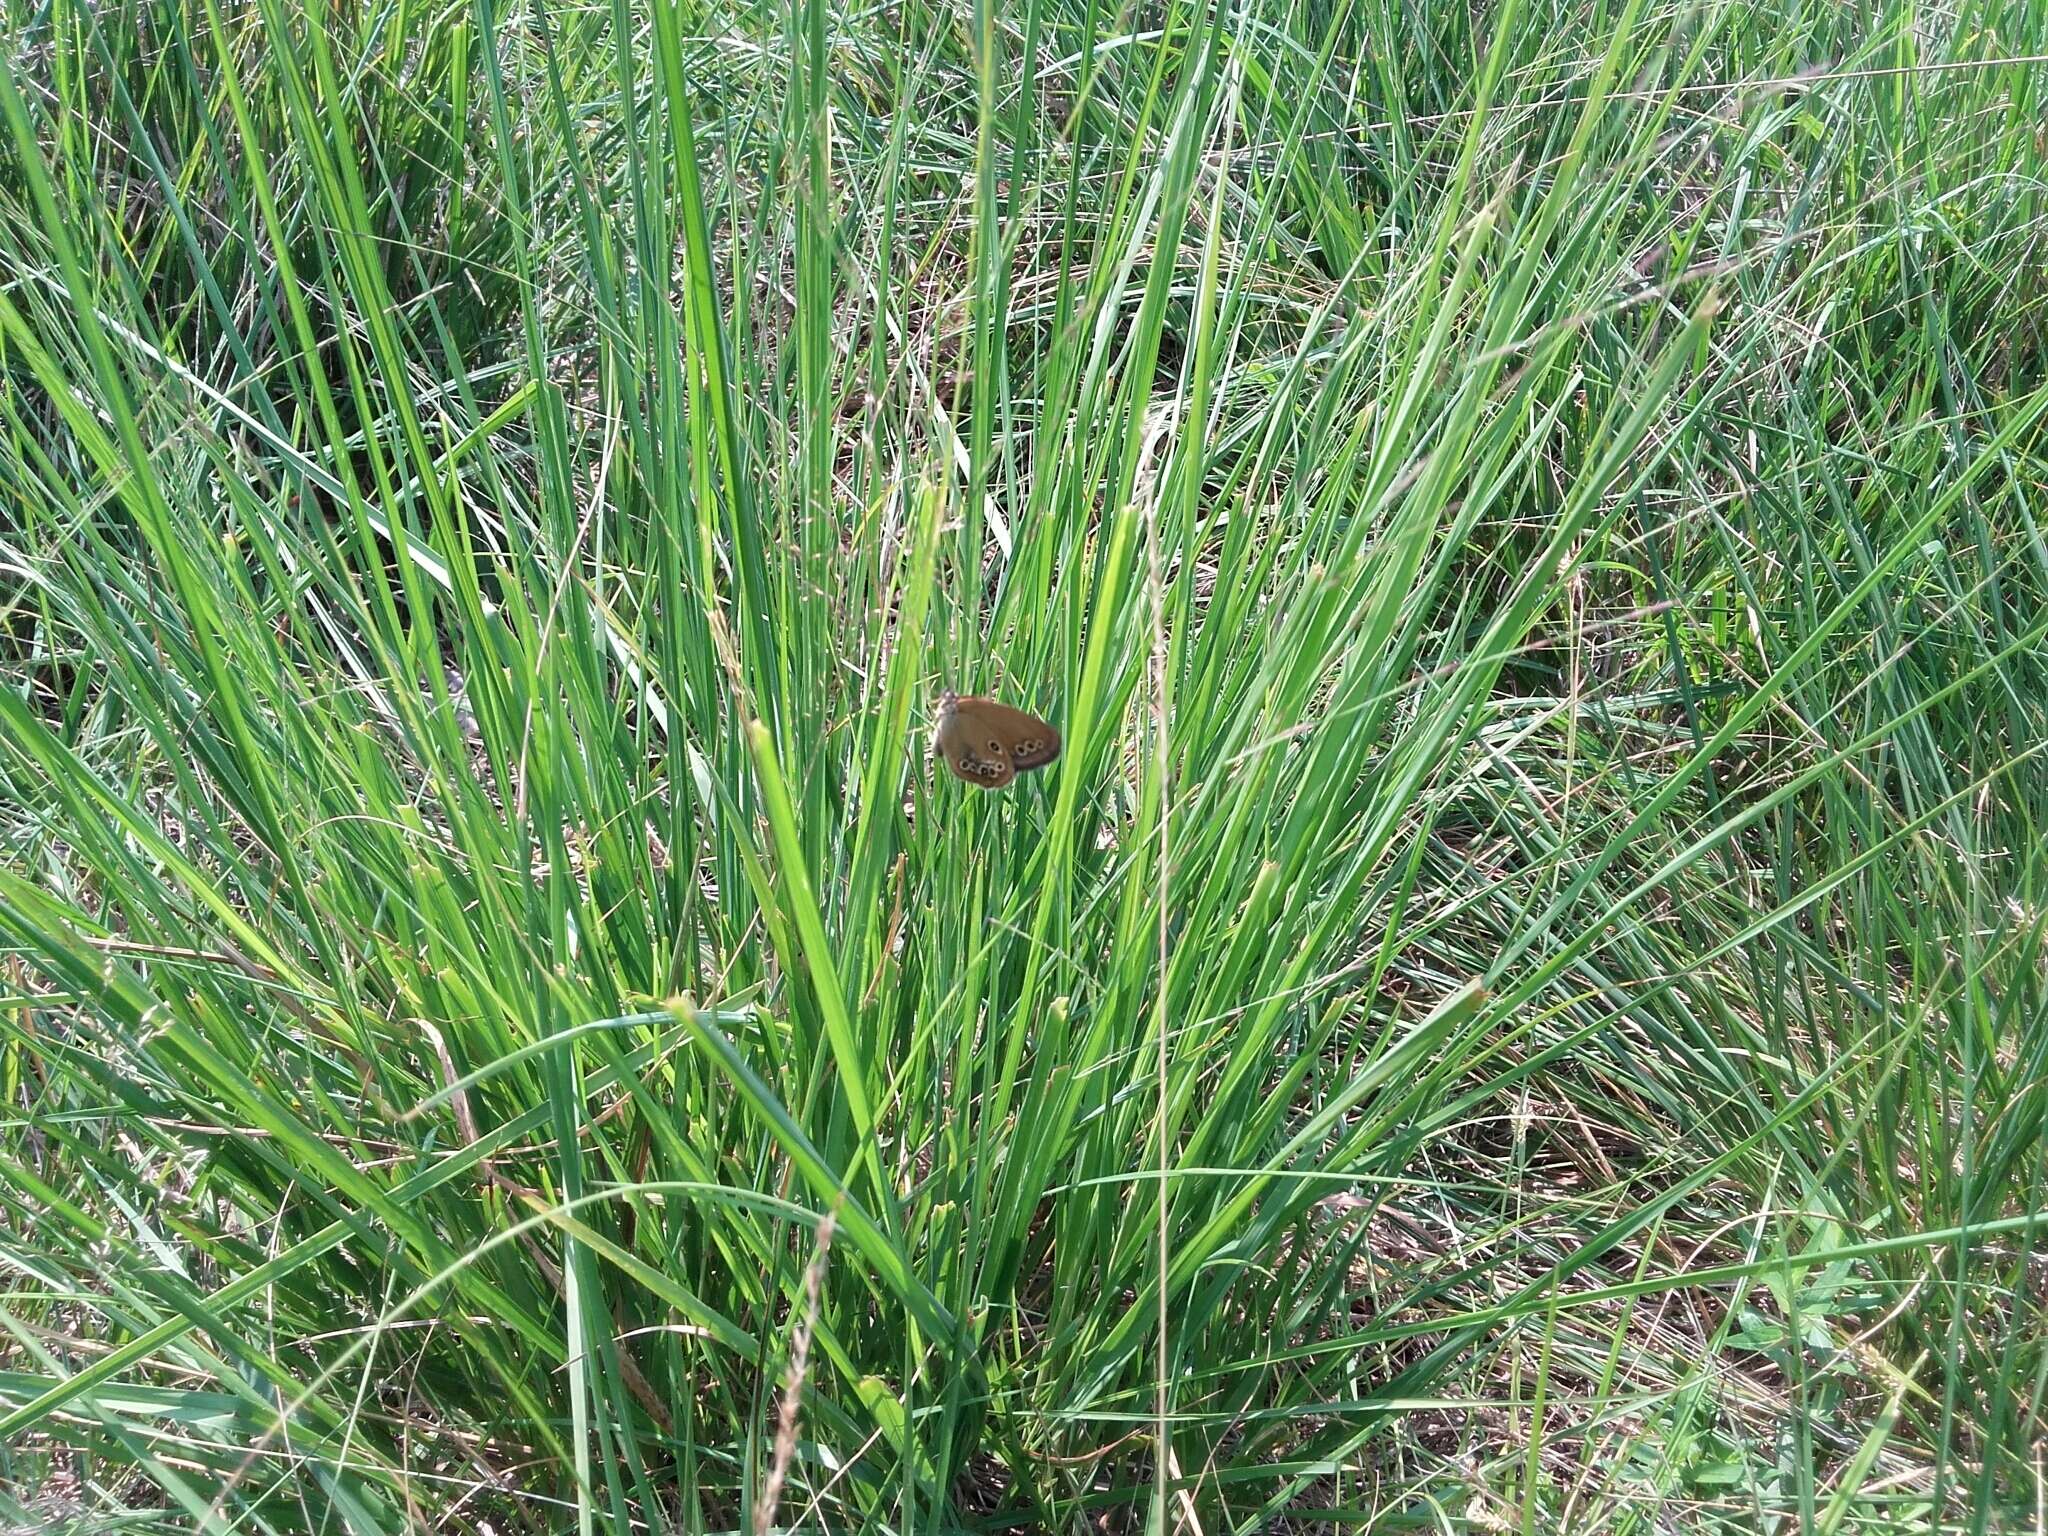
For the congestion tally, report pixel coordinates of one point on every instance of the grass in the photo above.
(1523, 1005)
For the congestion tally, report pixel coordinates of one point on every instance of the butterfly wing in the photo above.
(996, 730)
(967, 757)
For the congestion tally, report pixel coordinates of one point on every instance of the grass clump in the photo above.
(1522, 1005)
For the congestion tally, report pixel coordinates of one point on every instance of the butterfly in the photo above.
(989, 744)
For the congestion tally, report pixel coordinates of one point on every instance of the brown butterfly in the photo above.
(989, 744)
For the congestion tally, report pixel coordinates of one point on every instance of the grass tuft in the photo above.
(1522, 1005)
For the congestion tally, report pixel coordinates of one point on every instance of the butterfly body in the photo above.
(989, 744)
